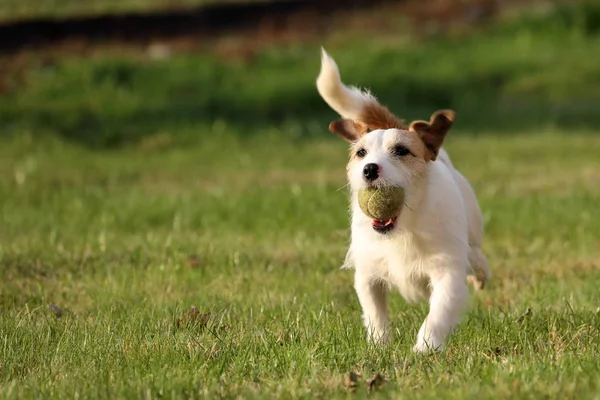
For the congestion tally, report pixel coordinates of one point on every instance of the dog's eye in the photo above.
(360, 153)
(400, 151)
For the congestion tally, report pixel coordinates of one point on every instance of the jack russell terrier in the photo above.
(433, 246)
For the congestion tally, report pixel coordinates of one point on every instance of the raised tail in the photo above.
(351, 102)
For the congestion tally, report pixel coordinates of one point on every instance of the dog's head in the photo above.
(393, 156)
(384, 151)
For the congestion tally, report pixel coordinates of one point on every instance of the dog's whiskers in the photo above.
(343, 187)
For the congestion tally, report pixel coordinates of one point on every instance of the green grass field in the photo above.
(123, 205)
(253, 233)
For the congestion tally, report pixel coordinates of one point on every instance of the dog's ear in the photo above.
(348, 129)
(433, 132)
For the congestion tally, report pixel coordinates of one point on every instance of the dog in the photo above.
(433, 246)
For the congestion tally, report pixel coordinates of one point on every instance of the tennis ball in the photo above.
(381, 204)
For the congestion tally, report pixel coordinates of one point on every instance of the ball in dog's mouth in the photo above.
(383, 205)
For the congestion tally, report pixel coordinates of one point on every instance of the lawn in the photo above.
(253, 233)
(109, 237)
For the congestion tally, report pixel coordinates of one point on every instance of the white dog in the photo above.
(433, 246)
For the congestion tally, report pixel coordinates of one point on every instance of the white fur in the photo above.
(436, 242)
(348, 101)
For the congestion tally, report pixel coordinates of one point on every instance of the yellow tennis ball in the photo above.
(381, 204)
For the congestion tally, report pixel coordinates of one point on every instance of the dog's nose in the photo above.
(371, 171)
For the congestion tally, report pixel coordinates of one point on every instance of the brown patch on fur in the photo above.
(433, 132)
(376, 116)
(348, 129)
(412, 140)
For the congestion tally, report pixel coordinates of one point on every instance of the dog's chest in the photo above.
(406, 271)
(401, 263)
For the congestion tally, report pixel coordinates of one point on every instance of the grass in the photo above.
(123, 204)
(125, 242)
(522, 75)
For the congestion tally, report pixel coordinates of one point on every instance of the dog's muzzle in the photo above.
(384, 227)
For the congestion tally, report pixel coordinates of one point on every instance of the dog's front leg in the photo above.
(447, 303)
(372, 295)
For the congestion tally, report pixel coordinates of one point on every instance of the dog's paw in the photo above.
(478, 284)
(425, 348)
(434, 344)
(382, 338)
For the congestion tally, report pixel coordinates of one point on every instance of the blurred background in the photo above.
(161, 154)
(110, 73)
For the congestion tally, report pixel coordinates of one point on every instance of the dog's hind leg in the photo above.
(479, 266)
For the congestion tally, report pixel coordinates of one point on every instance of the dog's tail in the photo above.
(351, 102)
